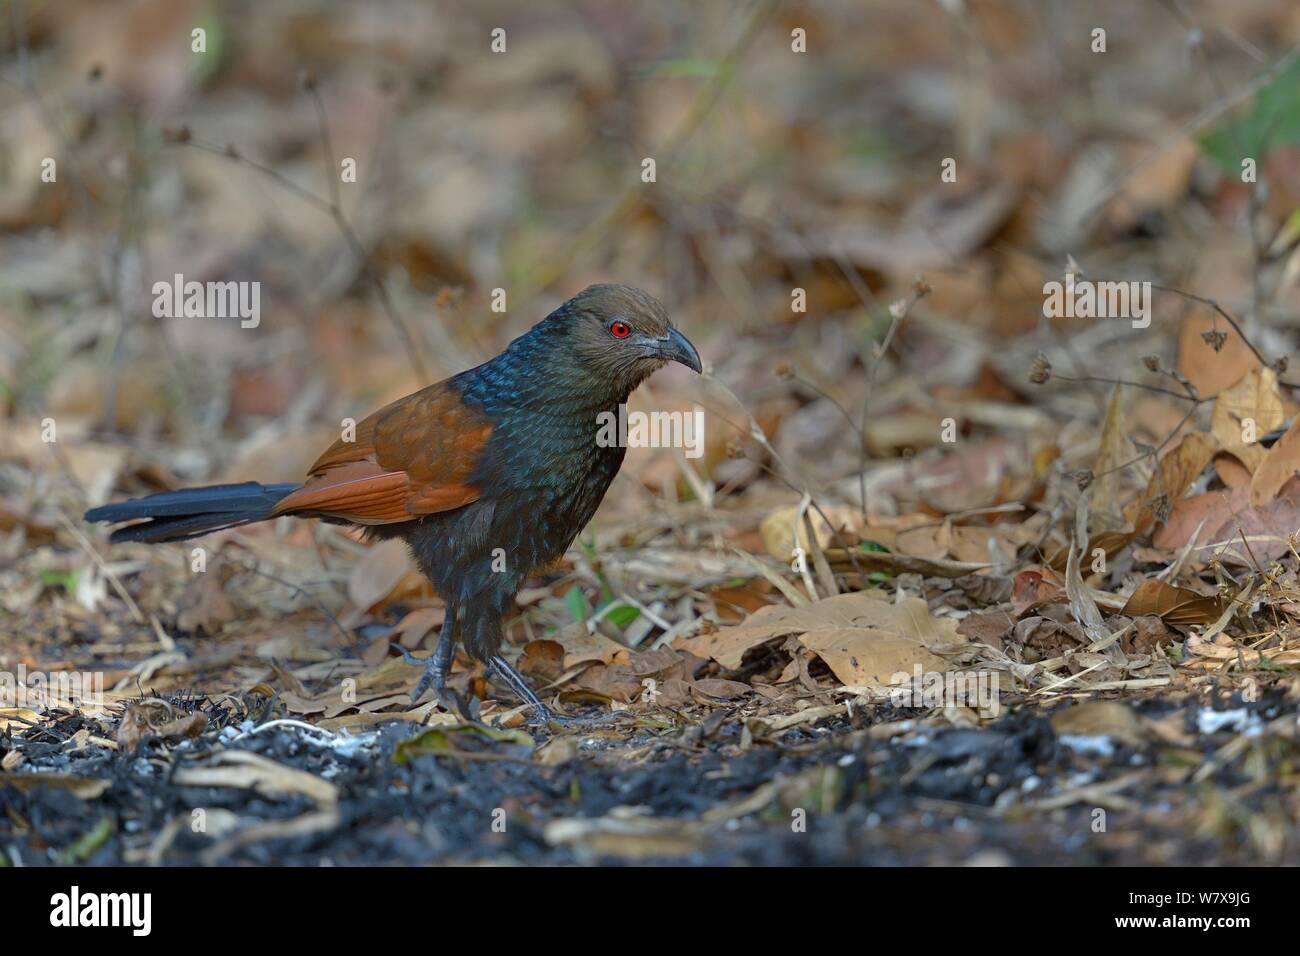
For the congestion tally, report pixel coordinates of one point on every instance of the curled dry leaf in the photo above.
(154, 717)
(1174, 605)
(244, 770)
(1280, 465)
(1244, 413)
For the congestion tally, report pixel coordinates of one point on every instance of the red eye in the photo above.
(620, 329)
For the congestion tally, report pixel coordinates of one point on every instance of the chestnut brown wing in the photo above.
(411, 458)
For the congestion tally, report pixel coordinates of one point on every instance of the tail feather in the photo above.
(191, 512)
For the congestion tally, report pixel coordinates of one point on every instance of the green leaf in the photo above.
(436, 740)
(88, 842)
(693, 68)
(1273, 120)
(623, 615)
(61, 579)
(576, 601)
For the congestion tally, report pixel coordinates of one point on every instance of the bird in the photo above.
(487, 476)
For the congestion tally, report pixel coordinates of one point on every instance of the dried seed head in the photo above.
(1083, 479)
(1152, 362)
(1280, 364)
(1215, 339)
(1041, 369)
(1161, 507)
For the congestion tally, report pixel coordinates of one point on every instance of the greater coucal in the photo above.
(487, 475)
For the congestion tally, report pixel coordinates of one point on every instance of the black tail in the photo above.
(190, 512)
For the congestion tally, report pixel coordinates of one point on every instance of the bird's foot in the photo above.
(541, 714)
(435, 675)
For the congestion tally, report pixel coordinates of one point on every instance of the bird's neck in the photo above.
(535, 374)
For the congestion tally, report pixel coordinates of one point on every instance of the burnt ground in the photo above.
(1207, 779)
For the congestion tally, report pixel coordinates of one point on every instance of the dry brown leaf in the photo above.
(625, 681)
(1235, 471)
(862, 637)
(542, 661)
(1100, 718)
(1228, 515)
(1110, 542)
(1249, 409)
(379, 571)
(939, 230)
(1112, 452)
(245, 770)
(1209, 371)
(84, 788)
(1172, 604)
(1172, 477)
(1033, 589)
(204, 605)
(1280, 465)
(778, 529)
(416, 626)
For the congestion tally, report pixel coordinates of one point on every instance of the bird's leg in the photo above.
(520, 686)
(438, 665)
(525, 693)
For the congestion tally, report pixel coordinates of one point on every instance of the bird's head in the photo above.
(618, 336)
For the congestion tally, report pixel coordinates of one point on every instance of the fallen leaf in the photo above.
(1280, 465)
(1211, 372)
(1100, 718)
(204, 605)
(862, 637)
(84, 788)
(1172, 604)
(1172, 477)
(1246, 412)
(542, 661)
(1112, 452)
(244, 770)
(1227, 516)
(378, 573)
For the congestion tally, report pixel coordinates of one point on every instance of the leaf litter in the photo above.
(947, 579)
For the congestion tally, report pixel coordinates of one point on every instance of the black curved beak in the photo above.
(678, 348)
